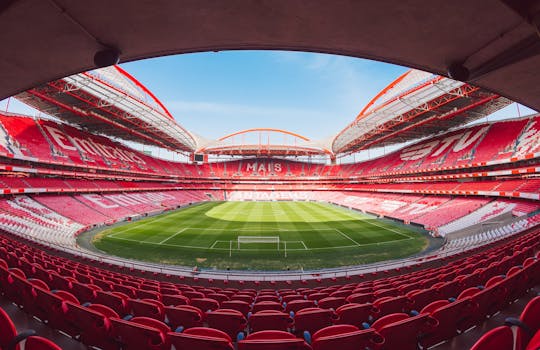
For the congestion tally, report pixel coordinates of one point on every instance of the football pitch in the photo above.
(261, 236)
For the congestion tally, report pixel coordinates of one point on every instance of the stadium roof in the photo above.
(265, 142)
(496, 41)
(112, 102)
(417, 104)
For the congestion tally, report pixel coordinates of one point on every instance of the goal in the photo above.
(258, 239)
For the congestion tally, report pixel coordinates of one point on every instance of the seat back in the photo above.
(500, 338)
(205, 304)
(345, 337)
(355, 314)
(269, 320)
(227, 320)
(186, 316)
(238, 305)
(140, 333)
(201, 339)
(40, 343)
(313, 319)
(272, 340)
(400, 331)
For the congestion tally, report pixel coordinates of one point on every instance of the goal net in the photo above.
(258, 239)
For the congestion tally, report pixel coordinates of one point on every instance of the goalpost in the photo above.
(258, 239)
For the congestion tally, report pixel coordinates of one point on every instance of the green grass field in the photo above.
(311, 235)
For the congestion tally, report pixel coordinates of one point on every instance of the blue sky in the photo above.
(214, 94)
(217, 93)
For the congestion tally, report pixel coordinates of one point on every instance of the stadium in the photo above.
(265, 238)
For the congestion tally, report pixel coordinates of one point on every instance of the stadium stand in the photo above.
(449, 185)
(76, 289)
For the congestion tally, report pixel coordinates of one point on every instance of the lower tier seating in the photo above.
(113, 309)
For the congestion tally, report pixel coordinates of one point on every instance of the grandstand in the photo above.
(472, 191)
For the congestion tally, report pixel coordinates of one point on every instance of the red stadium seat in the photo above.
(403, 332)
(201, 338)
(269, 320)
(238, 305)
(272, 340)
(267, 305)
(312, 320)
(185, 316)
(205, 304)
(528, 323)
(147, 308)
(345, 337)
(227, 320)
(140, 333)
(355, 314)
(450, 317)
(331, 302)
(296, 305)
(500, 338)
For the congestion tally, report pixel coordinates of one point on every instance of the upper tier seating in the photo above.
(50, 142)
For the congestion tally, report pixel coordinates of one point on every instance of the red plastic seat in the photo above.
(273, 297)
(318, 296)
(500, 338)
(269, 320)
(267, 305)
(528, 323)
(345, 337)
(201, 338)
(360, 298)
(312, 320)
(84, 292)
(238, 305)
(40, 343)
(534, 344)
(390, 305)
(422, 297)
(296, 305)
(447, 289)
(147, 308)
(115, 300)
(185, 316)
(331, 302)
(450, 316)
(227, 320)
(243, 297)
(191, 294)
(272, 340)
(91, 324)
(140, 333)
(8, 332)
(174, 299)
(205, 304)
(400, 331)
(49, 307)
(219, 297)
(355, 314)
(290, 297)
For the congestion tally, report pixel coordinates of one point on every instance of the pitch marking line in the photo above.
(140, 225)
(176, 234)
(346, 236)
(198, 247)
(374, 224)
(256, 229)
(165, 244)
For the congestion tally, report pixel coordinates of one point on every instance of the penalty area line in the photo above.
(176, 234)
(347, 236)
